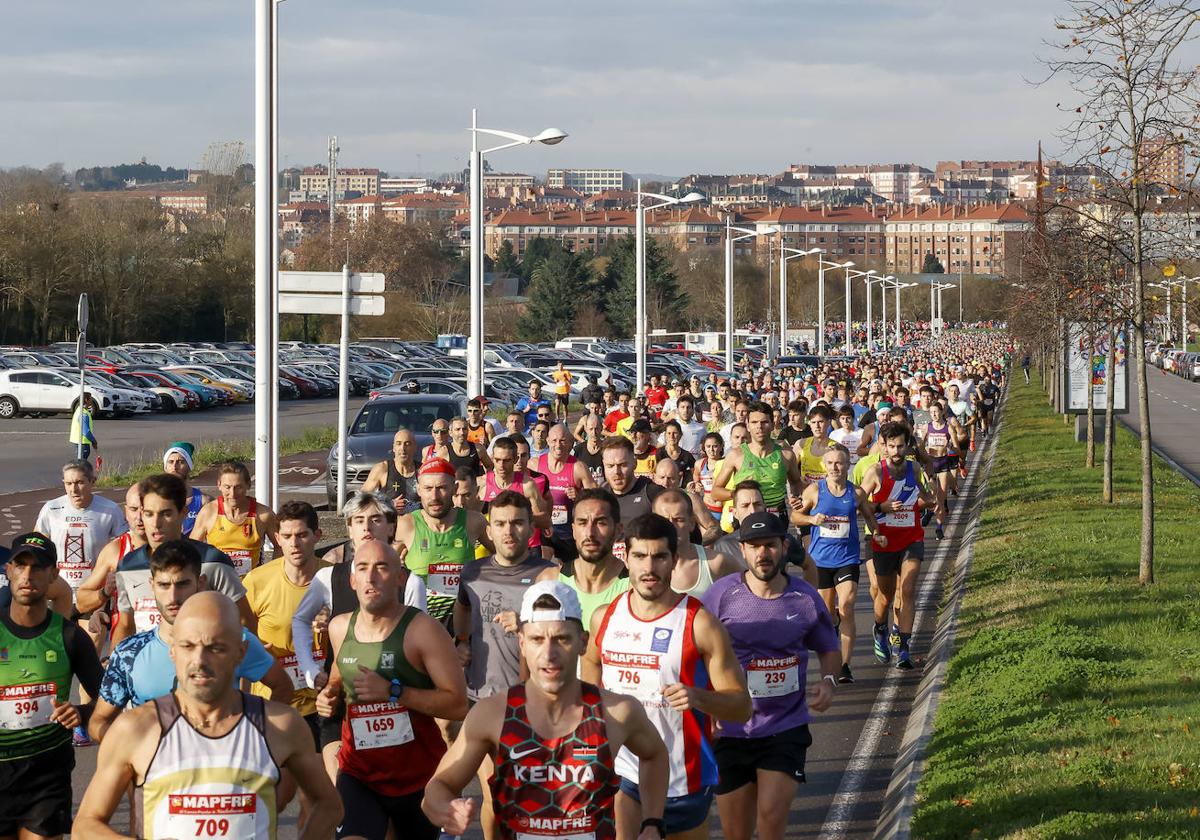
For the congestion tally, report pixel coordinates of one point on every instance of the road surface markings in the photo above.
(839, 818)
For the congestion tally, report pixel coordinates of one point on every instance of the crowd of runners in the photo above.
(610, 620)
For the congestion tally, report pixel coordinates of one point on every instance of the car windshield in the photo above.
(387, 417)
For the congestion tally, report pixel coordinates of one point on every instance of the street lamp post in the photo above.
(786, 254)
(639, 327)
(266, 250)
(823, 264)
(852, 274)
(746, 233)
(475, 341)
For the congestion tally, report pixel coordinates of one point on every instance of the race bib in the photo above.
(937, 441)
(905, 518)
(634, 674)
(292, 665)
(443, 579)
(232, 815)
(835, 527)
(74, 573)
(146, 615)
(376, 725)
(26, 706)
(773, 677)
(242, 560)
(988, 402)
(558, 516)
(561, 828)
(619, 550)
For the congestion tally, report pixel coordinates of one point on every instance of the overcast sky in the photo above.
(662, 86)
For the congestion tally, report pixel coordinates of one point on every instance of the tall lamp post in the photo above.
(745, 233)
(852, 274)
(823, 264)
(939, 288)
(884, 285)
(897, 285)
(639, 328)
(549, 137)
(786, 254)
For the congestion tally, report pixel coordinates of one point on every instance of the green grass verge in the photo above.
(1072, 704)
(216, 451)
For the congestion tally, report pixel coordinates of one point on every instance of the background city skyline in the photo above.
(678, 87)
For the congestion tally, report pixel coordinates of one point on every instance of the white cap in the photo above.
(568, 602)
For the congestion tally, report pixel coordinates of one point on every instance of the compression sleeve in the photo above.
(317, 597)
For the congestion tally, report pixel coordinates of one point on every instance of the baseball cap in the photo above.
(760, 526)
(37, 545)
(568, 602)
(641, 425)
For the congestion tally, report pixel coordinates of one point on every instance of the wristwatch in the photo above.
(396, 690)
(654, 823)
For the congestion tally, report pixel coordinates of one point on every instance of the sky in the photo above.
(650, 86)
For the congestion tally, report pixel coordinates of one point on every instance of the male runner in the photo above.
(588, 451)
(562, 391)
(440, 538)
(811, 451)
(696, 567)
(897, 490)
(95, 593)
(139, 668)
(178, 460)
(645, 453)
(773, 619)
(554, 740)
(831, 508)
(461, 452)
(538, 432)
(634, 493)
(596, 575)
(774, 467)
(396, 477)
(617, 414)
(748, 499)
(478, 430)
(164, 500)
(207, 756)
(79, 522)
(670, 653)
(567, 477)
(42, 654)
(398, 671)
(796, 429)
(528, 405)
(485, 615)
(235, 522)
(692, 429)
(506, 475)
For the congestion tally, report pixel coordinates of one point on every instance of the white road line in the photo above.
(845, 801)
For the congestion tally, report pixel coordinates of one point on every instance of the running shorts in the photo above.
(740, 759)
(683, 813)
(367, 813)
(37, 793)
(830, 578)
(888, 563)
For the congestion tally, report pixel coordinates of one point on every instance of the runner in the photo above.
(80, 523)
(58, 595)
(964, 413)
(139, 669)
(440, 538)
(617, 414)
(274, 591)
(42, 654)
(706, 470)
(485, 614)
(397, 476)
(462, 452)
(645, 453)
(596, 576)
(177, 460)
(505, 475)
(811, 451)
(398, 671)
(164, 500)
(479, 431)
(897, 491)
(529, 405)
(235, 522)
(939, 437)
(634, 493)
(562, 781)
(96, 593)
(440, 448)
(670, 653)
(831, 508)
(674, 450)
(773, 619)
(207, 756)
(589, 452)
(775, 468)
(566, 477)
(562, 391)
(691, 428)
(637, 411)
(848, 434)
(696, 567)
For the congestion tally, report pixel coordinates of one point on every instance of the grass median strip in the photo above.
(1072, 705)
(213, 452)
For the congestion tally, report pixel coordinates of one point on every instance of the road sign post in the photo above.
(81, 358)
(334, 293)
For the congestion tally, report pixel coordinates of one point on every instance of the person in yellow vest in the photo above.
(83, 429)
(274, 591)
(562, 391)
(235, 522)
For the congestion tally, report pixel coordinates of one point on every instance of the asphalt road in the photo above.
(1174, 417)
(31, 451)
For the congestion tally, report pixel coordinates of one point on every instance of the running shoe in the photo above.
(972, 446)
(939, 533)
(894, 638)
(845, 677)
(926, 518)
(79, 737)
(883, 651)
(904, 659)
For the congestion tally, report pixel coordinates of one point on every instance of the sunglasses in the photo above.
(440, 431)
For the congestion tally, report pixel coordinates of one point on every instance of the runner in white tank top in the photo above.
(670, 653)
(695, 570)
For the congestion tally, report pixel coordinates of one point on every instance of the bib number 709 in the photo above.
(208, 827)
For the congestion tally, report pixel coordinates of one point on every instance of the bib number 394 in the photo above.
(376, 725)
(26, 706)
(773, 677)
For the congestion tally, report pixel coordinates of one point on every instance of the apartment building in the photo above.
(984, 238)
(589, 181)
(844, 233)
(1165, 158)
(597, 230)
(314, 182)
(496, 181)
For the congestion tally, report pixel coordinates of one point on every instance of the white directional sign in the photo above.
(330, 282)
(298, 304)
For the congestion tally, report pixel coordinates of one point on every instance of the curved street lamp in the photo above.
(786, 254)
(746, 233)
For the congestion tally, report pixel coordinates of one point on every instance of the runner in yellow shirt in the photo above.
(562, 391)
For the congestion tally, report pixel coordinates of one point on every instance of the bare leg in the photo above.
(847, 594)
(737, 810)
(907, 599)
(777, 790)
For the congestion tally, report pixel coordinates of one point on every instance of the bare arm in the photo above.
(462, 632)
(268, 526)
(540, 504)
(306, 767)
(434, 654)
(59, 596)
(728, 698)
(730, 466)
(443, 804)
(808, 501)
(279, 682)
(795, 478)
(114, 773)
(589, 665)
(203, 521)
(124, 629)
(375, 477)
(710, 530)
(103, 715)
(583, 476)
(477, 528)
(93, 592)
(643, 740)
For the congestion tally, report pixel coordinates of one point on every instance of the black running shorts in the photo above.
(740, 759)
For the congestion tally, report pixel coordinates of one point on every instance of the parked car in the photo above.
(42, 390)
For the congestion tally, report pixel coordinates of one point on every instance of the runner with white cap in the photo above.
(554, 740)
(179, 459)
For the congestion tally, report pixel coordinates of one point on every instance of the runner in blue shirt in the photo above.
(529, 405)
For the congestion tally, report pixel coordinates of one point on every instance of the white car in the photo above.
(43, 390)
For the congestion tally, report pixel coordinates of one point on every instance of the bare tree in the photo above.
(1135, 106)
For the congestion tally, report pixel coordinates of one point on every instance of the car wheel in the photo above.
(8, 408)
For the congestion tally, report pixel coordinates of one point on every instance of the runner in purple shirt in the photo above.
(774, 619)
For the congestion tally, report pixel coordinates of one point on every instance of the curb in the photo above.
(895, 817)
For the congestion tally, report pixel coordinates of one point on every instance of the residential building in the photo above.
(400, 186)
(423, 208)
(314, 182)
(985, 238)
(495, 181)
(1165, 161)
(844, 233)
(588, 181)
(597, 230)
